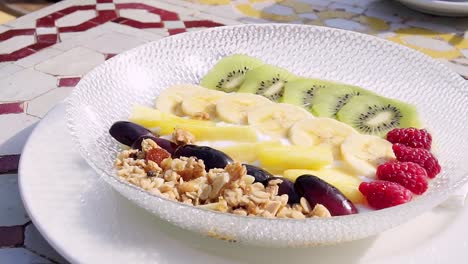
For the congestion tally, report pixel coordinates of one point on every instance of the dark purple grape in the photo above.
(163, 143)
(287, 187)
(127, 132)
(212, 158)
(259, 174)
(317, 191)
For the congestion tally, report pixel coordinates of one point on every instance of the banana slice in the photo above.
(170, 99)
(233, 108)
(317, 131)
(201, 103)
(363, 153)
(276, 119)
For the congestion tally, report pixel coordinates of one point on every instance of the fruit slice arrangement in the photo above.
(364, 110)
(333, 144)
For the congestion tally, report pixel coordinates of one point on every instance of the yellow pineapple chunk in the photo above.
(277, 159)
(213, 133)
(153, 118)
(246, 152)
(341, 179)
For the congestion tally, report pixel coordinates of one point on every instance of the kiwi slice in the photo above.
(327, 102)
(267, 80)
(302, 92)
(228, 74)
(377, 115)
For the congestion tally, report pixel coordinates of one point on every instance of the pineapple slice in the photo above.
(247, 152)
(343, 181)
(277, 159)
(213, 133)
(152, 118)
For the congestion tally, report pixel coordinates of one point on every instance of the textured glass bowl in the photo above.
(107, 94)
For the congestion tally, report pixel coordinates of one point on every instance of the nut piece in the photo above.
(201, 116)
(183, 137)
(236, 170)
(320, 211)
(148, 144)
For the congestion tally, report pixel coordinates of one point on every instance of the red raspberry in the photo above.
(411, 137)
(157, 155)
(383, 194)
(408, 174)
(418, 155)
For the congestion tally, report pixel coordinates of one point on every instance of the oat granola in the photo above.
(229, 189)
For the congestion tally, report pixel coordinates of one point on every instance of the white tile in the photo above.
(362, 3)
(25, 84)
(75, 18)
(161, 32)
(140, 15)
(274, 9)
(173, 24)
(40, 105)
(74, 62)
(347, 8)
(113, 43)
(21, 256)
(46, 30)
(170, 5)
(74, 39)
(130, 31)
(9, 69)
(37, 244)
(458, 68)
(345, 24)
(464, 52)
(428, 43)
(14, 136)
(38, 57)
(16, 43)
(433, 26)
(4, 28)
(310, 16)
(316, 3)
(13, 212)
(105, 6)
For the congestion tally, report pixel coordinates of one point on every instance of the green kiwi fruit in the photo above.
(267, 80)
(302, 92)
(327, 102)
(228, 74)
(376, 115)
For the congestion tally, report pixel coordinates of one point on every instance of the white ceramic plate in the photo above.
(88, 222)
(443, 8)
(107, 94)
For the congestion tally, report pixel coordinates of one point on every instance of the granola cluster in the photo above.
(229, 189)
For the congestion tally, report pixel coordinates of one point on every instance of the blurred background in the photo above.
(10, 9)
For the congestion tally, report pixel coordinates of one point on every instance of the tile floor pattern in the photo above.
(36, 73)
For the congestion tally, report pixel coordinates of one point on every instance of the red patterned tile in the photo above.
(49, 21)
(11, 108)
(19, 54)
(104, 16)
(11, 236)
(138, 24)
(134, 6)
(109, 56)
(68, 82)
(9, 163)
(16, 32)
(49, 38)
(72, 9)
(201, 23)
(39, 46)
(81, 27)
(103, 1)
(176, 31)
(165, 15)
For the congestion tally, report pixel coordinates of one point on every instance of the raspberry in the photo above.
(411, 137)
(418, 155)
(383, 194)
(157, 155)
(408, 174)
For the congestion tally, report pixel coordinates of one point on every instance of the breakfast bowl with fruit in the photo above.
(275, 135)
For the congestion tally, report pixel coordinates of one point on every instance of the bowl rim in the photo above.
(436, 198)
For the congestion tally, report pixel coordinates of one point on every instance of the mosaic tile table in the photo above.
(44, 54)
